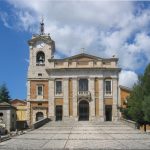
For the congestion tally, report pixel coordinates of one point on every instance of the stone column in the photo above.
(92, 102)
(75, 104)
(101, 100)
(115, 100)
(66, 98)
(51, 103)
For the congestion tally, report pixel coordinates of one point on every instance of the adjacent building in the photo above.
(124, 94)
(7, 116)
(80, 87)
(21, 113)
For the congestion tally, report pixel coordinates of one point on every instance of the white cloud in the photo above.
(127, 78)
(4, 18)
(102, 28)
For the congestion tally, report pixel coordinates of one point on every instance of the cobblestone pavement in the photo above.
(80, 135)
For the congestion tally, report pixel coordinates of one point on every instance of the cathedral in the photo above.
(79, 87)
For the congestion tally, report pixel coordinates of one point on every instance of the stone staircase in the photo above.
(81, 135)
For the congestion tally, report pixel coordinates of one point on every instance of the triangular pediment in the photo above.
(83, 57)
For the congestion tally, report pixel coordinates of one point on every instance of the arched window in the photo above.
(39, 116)
(40, 58)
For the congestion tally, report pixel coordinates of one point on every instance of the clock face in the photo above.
(40, 44)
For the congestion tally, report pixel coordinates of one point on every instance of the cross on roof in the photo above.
(82, 50)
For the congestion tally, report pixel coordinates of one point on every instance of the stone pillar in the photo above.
(92, 102)
(51, 104)
(75, 104)
(101, 100)
(66, 98)
(115, 100)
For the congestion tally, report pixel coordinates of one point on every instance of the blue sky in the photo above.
(102, 28)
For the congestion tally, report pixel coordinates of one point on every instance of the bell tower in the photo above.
(41, 49)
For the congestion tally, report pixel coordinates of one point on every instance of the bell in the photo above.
(40, 58)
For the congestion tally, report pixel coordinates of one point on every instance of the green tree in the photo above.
(135, 101)
(146, 108)
(146, 81)
(138, 108)
(146, 89)
(4, 94)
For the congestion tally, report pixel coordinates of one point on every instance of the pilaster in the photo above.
(115, 100)
(66, 98)
(92, 102)
(28, 90)
(28, 113)
(51, 110)
(28, 104)
(75, 105)
(101, 100)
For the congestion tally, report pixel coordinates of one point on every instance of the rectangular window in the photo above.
(40, 90)
(83, 85)
(58, 89)
(108, 87)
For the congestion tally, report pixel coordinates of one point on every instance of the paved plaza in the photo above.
(80, 135)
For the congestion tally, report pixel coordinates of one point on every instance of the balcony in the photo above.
(84, 94)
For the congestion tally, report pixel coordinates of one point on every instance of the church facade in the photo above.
(80, 87)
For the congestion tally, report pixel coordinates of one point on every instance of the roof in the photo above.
(125, 88)
(83, 55)
(6, 105)
(18, 100)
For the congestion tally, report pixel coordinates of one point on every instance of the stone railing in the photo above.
(130, 123)
(40, 123)
(84, 93)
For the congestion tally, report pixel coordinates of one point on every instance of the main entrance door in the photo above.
(58, 113)
(108, 112)
(83, 110)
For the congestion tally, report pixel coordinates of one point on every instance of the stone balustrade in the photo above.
(40, 123)
(85, 94)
